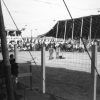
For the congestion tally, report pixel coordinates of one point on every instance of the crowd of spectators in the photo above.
(65, 46)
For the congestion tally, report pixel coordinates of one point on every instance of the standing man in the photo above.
(14, 68)
(14, 72)
(57, 51)
(51, 50)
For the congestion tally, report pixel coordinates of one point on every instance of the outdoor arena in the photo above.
(68, 78)
(71, 60)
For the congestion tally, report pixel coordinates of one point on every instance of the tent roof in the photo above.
(95, 29)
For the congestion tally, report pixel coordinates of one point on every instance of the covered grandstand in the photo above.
(87, 27)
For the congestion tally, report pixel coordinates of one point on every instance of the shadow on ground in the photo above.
(67, 84)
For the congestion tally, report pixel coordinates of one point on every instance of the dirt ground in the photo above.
(68, 78)
(71, 60)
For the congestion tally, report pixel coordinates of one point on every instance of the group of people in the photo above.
(51, 51)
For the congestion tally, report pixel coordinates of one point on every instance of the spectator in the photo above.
(14, 68)
(51, 50)
(57, 51)
(14, 72)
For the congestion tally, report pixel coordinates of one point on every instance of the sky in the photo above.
(39, 16)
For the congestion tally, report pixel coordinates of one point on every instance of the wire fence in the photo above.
(67, 77)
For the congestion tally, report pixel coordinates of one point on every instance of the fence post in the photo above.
(43, 68)
(16, 58)
(93, 72)
(16, 53)
(31, 82)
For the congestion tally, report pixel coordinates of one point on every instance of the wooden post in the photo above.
(16, 58)
(65, 31)
(31, 42)
(81, 32)
(5, 54)
(89, 37)
(31, 82)
(72, 29)
(93, 72)
(43, 68)
(57, 31)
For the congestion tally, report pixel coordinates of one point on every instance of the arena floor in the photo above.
(71, 84)
(71, 60)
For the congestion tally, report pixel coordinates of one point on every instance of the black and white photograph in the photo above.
(49, 49)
